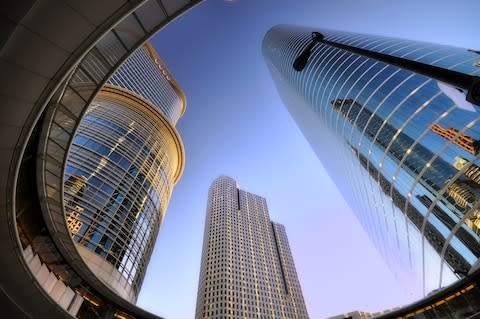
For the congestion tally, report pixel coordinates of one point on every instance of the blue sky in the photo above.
(236, 125)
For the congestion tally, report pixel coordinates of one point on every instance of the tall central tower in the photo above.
(247, 268)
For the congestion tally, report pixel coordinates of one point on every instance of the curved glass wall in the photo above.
(122, 165)
(405, 147)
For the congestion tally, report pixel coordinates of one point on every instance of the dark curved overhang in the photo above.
(42, 44)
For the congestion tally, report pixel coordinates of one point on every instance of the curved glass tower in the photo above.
(124, 160)
(401, 147)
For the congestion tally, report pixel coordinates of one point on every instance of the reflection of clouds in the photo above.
(457, 96)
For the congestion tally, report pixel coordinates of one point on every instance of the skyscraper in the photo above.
(401, 147)
(145, 73)
(124, 160)
(247, 268)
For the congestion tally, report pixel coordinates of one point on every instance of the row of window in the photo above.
(117, 184)
(394, 144)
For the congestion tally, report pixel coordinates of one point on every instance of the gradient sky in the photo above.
(236, 125)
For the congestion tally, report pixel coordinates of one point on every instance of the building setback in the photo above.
(401, 147)
(247, 269)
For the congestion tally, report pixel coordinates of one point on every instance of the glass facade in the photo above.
(121, 169)
(145, 74)
(401, 147)
(123, 162)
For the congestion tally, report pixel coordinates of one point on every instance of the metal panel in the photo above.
(46, 16)
(150, 14)
(172, 6)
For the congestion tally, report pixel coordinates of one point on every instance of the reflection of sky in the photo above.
(399, 97)
(235, 124)
(109, 157)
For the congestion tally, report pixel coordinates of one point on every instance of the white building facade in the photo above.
(247, 269)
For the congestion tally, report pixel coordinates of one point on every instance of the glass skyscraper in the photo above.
(124, 160)
(145, 74)
(247, 267)
(401, 147)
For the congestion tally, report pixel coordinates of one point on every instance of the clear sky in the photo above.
(236, 125)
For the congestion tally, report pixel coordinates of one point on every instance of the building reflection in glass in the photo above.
(402, 148)
(119, 177)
